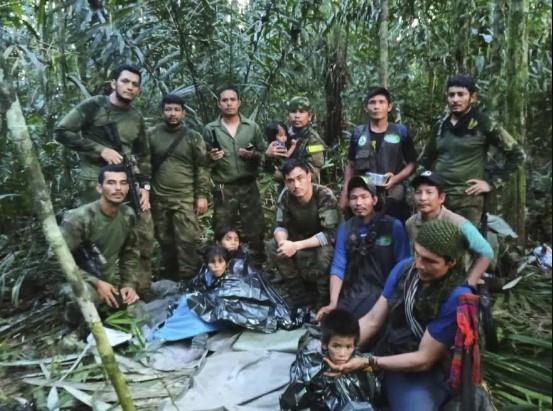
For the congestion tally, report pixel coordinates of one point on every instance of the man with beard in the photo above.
(415, 319)
(368, 246)
(458, 151)
(180, 187)
(236, 147)
(108, 227)
(309, 145)
(306, 220)
(92, 129)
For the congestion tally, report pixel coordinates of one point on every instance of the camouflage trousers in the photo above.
(144, 233)
(178, 234)
(470, 207)
(239, 205)
(307, 271)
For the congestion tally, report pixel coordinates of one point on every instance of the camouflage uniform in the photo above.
(317, 218)
(459, 153)
(176, 183)
(236, 197)
(115, 238)
(83, 130)
(309, 146)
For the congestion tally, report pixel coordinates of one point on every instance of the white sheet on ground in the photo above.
(230, 379)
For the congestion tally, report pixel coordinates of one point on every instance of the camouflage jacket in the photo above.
(115, 237)
(309, 147)
(319, 217)
(459, 153)
(84, 129)
(184, 175)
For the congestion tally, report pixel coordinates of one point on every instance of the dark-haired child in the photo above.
(276, 132)
(313, 386)
(228, 237)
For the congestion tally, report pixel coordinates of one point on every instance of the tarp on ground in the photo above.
(232, 379)
(282, 340)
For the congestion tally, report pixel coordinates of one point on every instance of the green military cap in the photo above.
(299, 102)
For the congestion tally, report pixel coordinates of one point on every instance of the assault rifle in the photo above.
(129, 162)
(89, 258)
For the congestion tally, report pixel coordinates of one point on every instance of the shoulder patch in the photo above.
(315, 148)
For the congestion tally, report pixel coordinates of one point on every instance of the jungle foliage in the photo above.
(58, 52)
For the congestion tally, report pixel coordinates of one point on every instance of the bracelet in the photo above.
(370, 363)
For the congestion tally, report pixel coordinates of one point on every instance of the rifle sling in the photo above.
(167, 153)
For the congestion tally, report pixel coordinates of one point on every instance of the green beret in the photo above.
(299, 102)
(442, 238)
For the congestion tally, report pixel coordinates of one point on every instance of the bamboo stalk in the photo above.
(19, 136)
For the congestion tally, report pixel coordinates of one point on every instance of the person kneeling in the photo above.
(105, 230)
(416, 316)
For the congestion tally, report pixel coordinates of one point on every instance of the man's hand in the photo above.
(287, 249)
(216, 154)
(144, 200)
(129, 295)
(201, 205)
(477, 187)
(391, 182)
(111, 156)
(354, 364)
(276, 150)
(246, 154)
(324, 311)
(107, 293)
(343, 203)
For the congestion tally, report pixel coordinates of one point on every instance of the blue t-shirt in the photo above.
(444, 327)
(339, 261)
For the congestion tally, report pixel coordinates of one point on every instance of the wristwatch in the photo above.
(147, 187)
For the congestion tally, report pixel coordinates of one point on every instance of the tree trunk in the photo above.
(514, 199)
(335, 83)
(383, 36)
(9, 104)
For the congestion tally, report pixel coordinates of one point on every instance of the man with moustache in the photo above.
(90, 129)
(180, 188)
(306, 221)
(458, 151)
(429, 200)
(109, 225)
(236, 148)
(368, 246)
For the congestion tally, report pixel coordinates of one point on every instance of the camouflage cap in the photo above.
(299, 102)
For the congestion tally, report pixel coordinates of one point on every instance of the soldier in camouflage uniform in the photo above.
(306, 221)
(310, 147)
(86, 129)
(458, 150)
(180, 187)
(110, 226)
(236, 147)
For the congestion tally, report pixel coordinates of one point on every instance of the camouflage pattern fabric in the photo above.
(305, 273)
(178, 233)
(310, 148)
(115, 237)
(240, 204)
(470, 207)
(144, 229)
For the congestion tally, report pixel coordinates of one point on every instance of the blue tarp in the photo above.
(183, 323)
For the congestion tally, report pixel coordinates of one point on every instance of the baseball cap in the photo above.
(299, 102)
(430, 178)
(363, 182)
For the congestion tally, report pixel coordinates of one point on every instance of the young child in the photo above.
(276, 132)
(217, 259)
(228, 237)
(312, 384)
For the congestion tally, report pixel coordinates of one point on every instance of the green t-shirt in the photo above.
(115, 237)
(184, 175)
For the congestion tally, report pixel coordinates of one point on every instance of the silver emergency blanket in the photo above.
(246, 300)
(311, 389)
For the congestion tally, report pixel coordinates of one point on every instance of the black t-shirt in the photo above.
(407, 146)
